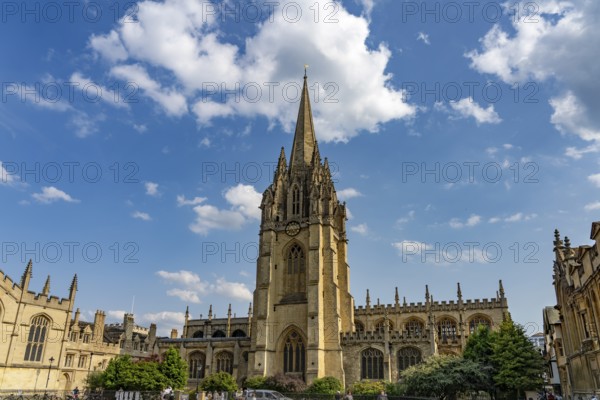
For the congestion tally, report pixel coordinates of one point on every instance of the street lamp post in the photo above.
(49, 369)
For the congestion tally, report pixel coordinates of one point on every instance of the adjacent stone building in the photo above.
(45, 344)
(303, 321)
(572, 332)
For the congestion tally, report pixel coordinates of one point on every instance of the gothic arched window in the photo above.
(295, 201)
(408, 356)
(37, 337)
(379, 326)
(196, 363)
(225, 362)
(218, 333)
(295, 274)
(359, 326)
(294, 353)
(447, 329)
(371, 364)
(198, 334)
(238, 333)
(479, 320)
(414, 328)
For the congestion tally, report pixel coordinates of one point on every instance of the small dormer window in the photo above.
(86, 338)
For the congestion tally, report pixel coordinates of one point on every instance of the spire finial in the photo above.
(427, 292)
(501, 289)
(396, 297)
(368, 299)
(46, 289)
(458, 291)
(305, 68)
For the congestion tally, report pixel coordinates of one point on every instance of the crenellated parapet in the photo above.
(378, 337)
(18, 292)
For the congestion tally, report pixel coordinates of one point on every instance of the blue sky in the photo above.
(136, 140)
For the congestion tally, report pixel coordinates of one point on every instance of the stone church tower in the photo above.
(302, 299)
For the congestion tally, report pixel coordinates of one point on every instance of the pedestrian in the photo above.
(338, 395)
(383, 396)
(349, 396)
(594, 397)
(76, 392)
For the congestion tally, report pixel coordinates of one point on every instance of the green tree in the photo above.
(220, 381)
(444, 377)
(174, 368)
(147, 376)
(325, 385)
(119, 373)
(479, 348)
(94, 380)
(518, 365)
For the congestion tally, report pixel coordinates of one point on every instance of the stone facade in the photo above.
(37, 327)
(573, 334)
(303, 321)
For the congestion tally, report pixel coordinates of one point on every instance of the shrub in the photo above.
(256, 382)
(285, 383)
(325, 385)
(220, 381)
(368, 387)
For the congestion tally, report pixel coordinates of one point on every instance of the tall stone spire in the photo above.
(304, 136)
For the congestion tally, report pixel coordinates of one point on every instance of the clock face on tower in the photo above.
(292, 228)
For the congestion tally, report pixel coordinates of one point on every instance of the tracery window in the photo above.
(408, 356)
(36, 339)
(294, 353)
(295, 201)
(479, 320)
(379, 326)
(196, 365)
(225, 362)
(371, 364)
(447, 329)
(295, 277)
(414, 328)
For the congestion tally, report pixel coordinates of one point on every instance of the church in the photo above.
(303, 320)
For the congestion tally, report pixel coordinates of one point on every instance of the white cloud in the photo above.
(205, 142)
(473, 220)
(592, 206)
(152, 189)
(244, 201)
(467, 107)
(188, 296)
(141, 128)
(141, 215)
(234, 290)
(172, 102)
(361, 229)
(348, 193)
(518, 217)
(182, 201)
(351, 73)
(50, 194)
(93, 90)
(191, 288)
(423, 37)
(182, 277)
(595, 179)
(6, 178)
(494, 220)
(442, 254)
(559, 36)
(165, 321)
(116, 315)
